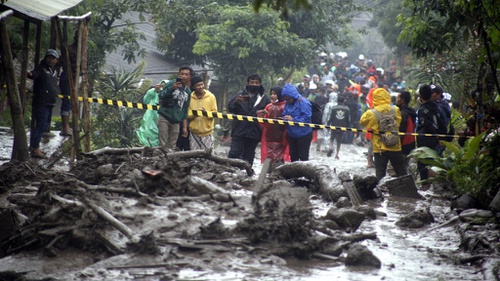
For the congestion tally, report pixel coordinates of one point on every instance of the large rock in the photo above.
(416, 219)
(359, 255)
(346, 218)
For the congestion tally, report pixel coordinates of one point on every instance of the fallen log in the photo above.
(325, 180)
(109, 218)
(203, 186)
(112, 150)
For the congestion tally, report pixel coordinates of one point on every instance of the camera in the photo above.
(178, 80)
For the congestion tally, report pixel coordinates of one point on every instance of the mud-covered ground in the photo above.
(157, 215)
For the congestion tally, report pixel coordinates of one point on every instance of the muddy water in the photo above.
(406, 254)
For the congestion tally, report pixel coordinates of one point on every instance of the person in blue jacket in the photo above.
(297, 109)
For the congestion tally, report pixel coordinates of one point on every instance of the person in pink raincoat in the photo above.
(274, 144)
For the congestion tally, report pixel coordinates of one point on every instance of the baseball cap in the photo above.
(437, 89)
(52, 52)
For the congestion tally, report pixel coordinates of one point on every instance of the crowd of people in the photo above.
(357, 99)
(352, 98)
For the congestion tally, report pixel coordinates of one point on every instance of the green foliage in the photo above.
(115, 126)
(283, 5)
(236, 41)
(244, 42)
(439, 27)
(471, 168)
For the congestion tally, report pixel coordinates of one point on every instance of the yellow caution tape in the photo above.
(237, 117)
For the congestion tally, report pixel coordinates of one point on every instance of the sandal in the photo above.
(39, 156)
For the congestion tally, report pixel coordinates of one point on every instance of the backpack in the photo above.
(317, 114)
(410, 128)
(387, 126)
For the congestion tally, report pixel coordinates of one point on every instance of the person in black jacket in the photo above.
(46, 78)
(245, 135)
(340, 116)
(428, 117)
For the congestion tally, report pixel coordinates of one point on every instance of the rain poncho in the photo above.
(274, 144)
(148, 132)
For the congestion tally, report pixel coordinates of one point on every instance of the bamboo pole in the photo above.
(76, 119)
(80, 70)
(85, 83)
(20, 147)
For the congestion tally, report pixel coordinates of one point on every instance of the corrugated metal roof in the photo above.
(41, 9)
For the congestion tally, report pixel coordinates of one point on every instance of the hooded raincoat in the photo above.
(300, 110)
(148, 132)
(381, 102)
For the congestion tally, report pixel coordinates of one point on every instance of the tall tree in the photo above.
(444, 26)
(232, 37)
(245, 42)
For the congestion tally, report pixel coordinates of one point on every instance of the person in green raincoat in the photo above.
(148, 132)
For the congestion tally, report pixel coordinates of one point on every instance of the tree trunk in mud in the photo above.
(326, 181)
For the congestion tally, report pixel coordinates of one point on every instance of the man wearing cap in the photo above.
(201, 127)
(281, 81)
(306, 79)
(46, 78)
(444, 109)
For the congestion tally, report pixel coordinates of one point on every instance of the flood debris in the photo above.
(151, 214)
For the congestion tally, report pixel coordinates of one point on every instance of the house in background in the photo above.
(158, 66)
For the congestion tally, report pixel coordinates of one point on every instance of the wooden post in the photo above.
(85, 83)
(20, 148)
(74, 96)
(74, 85)
(62, 35)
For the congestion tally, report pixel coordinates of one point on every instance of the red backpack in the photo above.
(410, 128)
